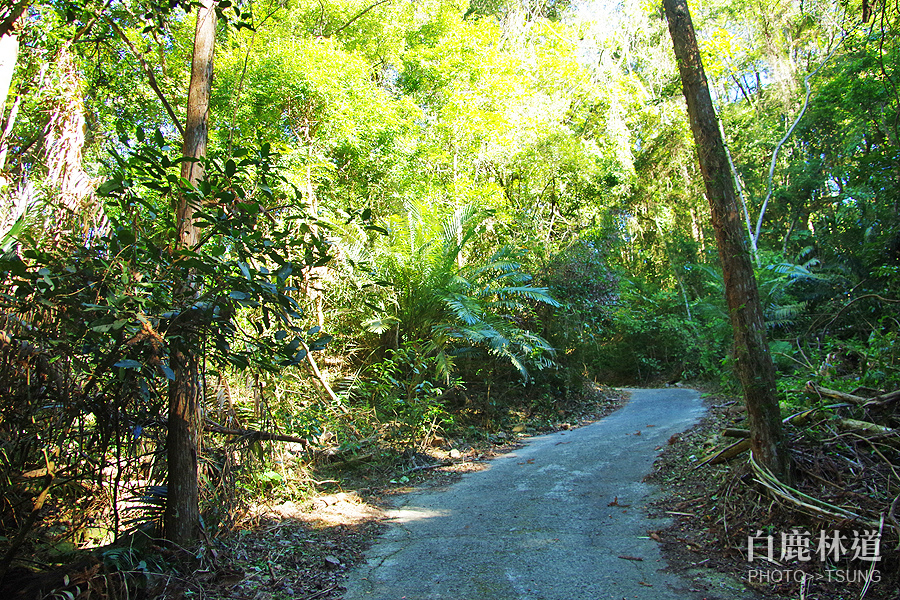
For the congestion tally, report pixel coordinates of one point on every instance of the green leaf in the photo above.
(238, 360)
(320, 343)
(127, 363)
(284, 272)
(108, 188)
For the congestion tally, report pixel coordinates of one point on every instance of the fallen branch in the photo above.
(883, 400)
(727, 453)
(892, 514)
(854, 424)
(347, 455)
(321, 593)
(734, 432)
(429, 467)
(802, 417)
(254, 434)
(871, 442)
(817, 390)
(805, 501)
(743, 444)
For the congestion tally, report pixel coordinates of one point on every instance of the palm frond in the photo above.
(453, 305)
(784, 314)
(513, 278)
(465, 308)
(460, 282)
(535, 294)
(502, 267)
(380, 324)
(793, 271)
(459, 228)
(445, 365)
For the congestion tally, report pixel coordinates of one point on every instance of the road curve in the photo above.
(560, 519)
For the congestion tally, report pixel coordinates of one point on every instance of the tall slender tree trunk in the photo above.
(9, 54)
(182, 517)
(196, 131)
(315, 276)
(753, 362)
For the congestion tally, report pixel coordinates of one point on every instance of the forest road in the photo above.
(562, 518)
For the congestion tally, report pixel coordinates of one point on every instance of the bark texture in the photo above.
(753, 362)
(196, 130)
(182, 516)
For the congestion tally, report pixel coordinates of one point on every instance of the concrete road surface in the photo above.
(560, 519)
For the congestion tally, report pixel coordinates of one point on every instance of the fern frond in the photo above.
(459, 229)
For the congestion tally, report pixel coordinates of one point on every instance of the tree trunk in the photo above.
(182, 517)
(753, 363)
(196, 132)
(9, 53)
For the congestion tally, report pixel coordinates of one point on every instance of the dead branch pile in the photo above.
(846, 458)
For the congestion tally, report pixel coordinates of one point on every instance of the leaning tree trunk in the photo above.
(182, 517)
(753, 362)
(9, 53)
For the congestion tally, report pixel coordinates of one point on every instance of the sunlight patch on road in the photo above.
(407, 515)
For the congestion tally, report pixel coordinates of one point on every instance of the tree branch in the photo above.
(255, 434)
(240, 87)
(740, 192)
(151, 78)
(318, 375)
(857, 299)
(358, 15)
(89, 24)
(770, 190)
(14, 14)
